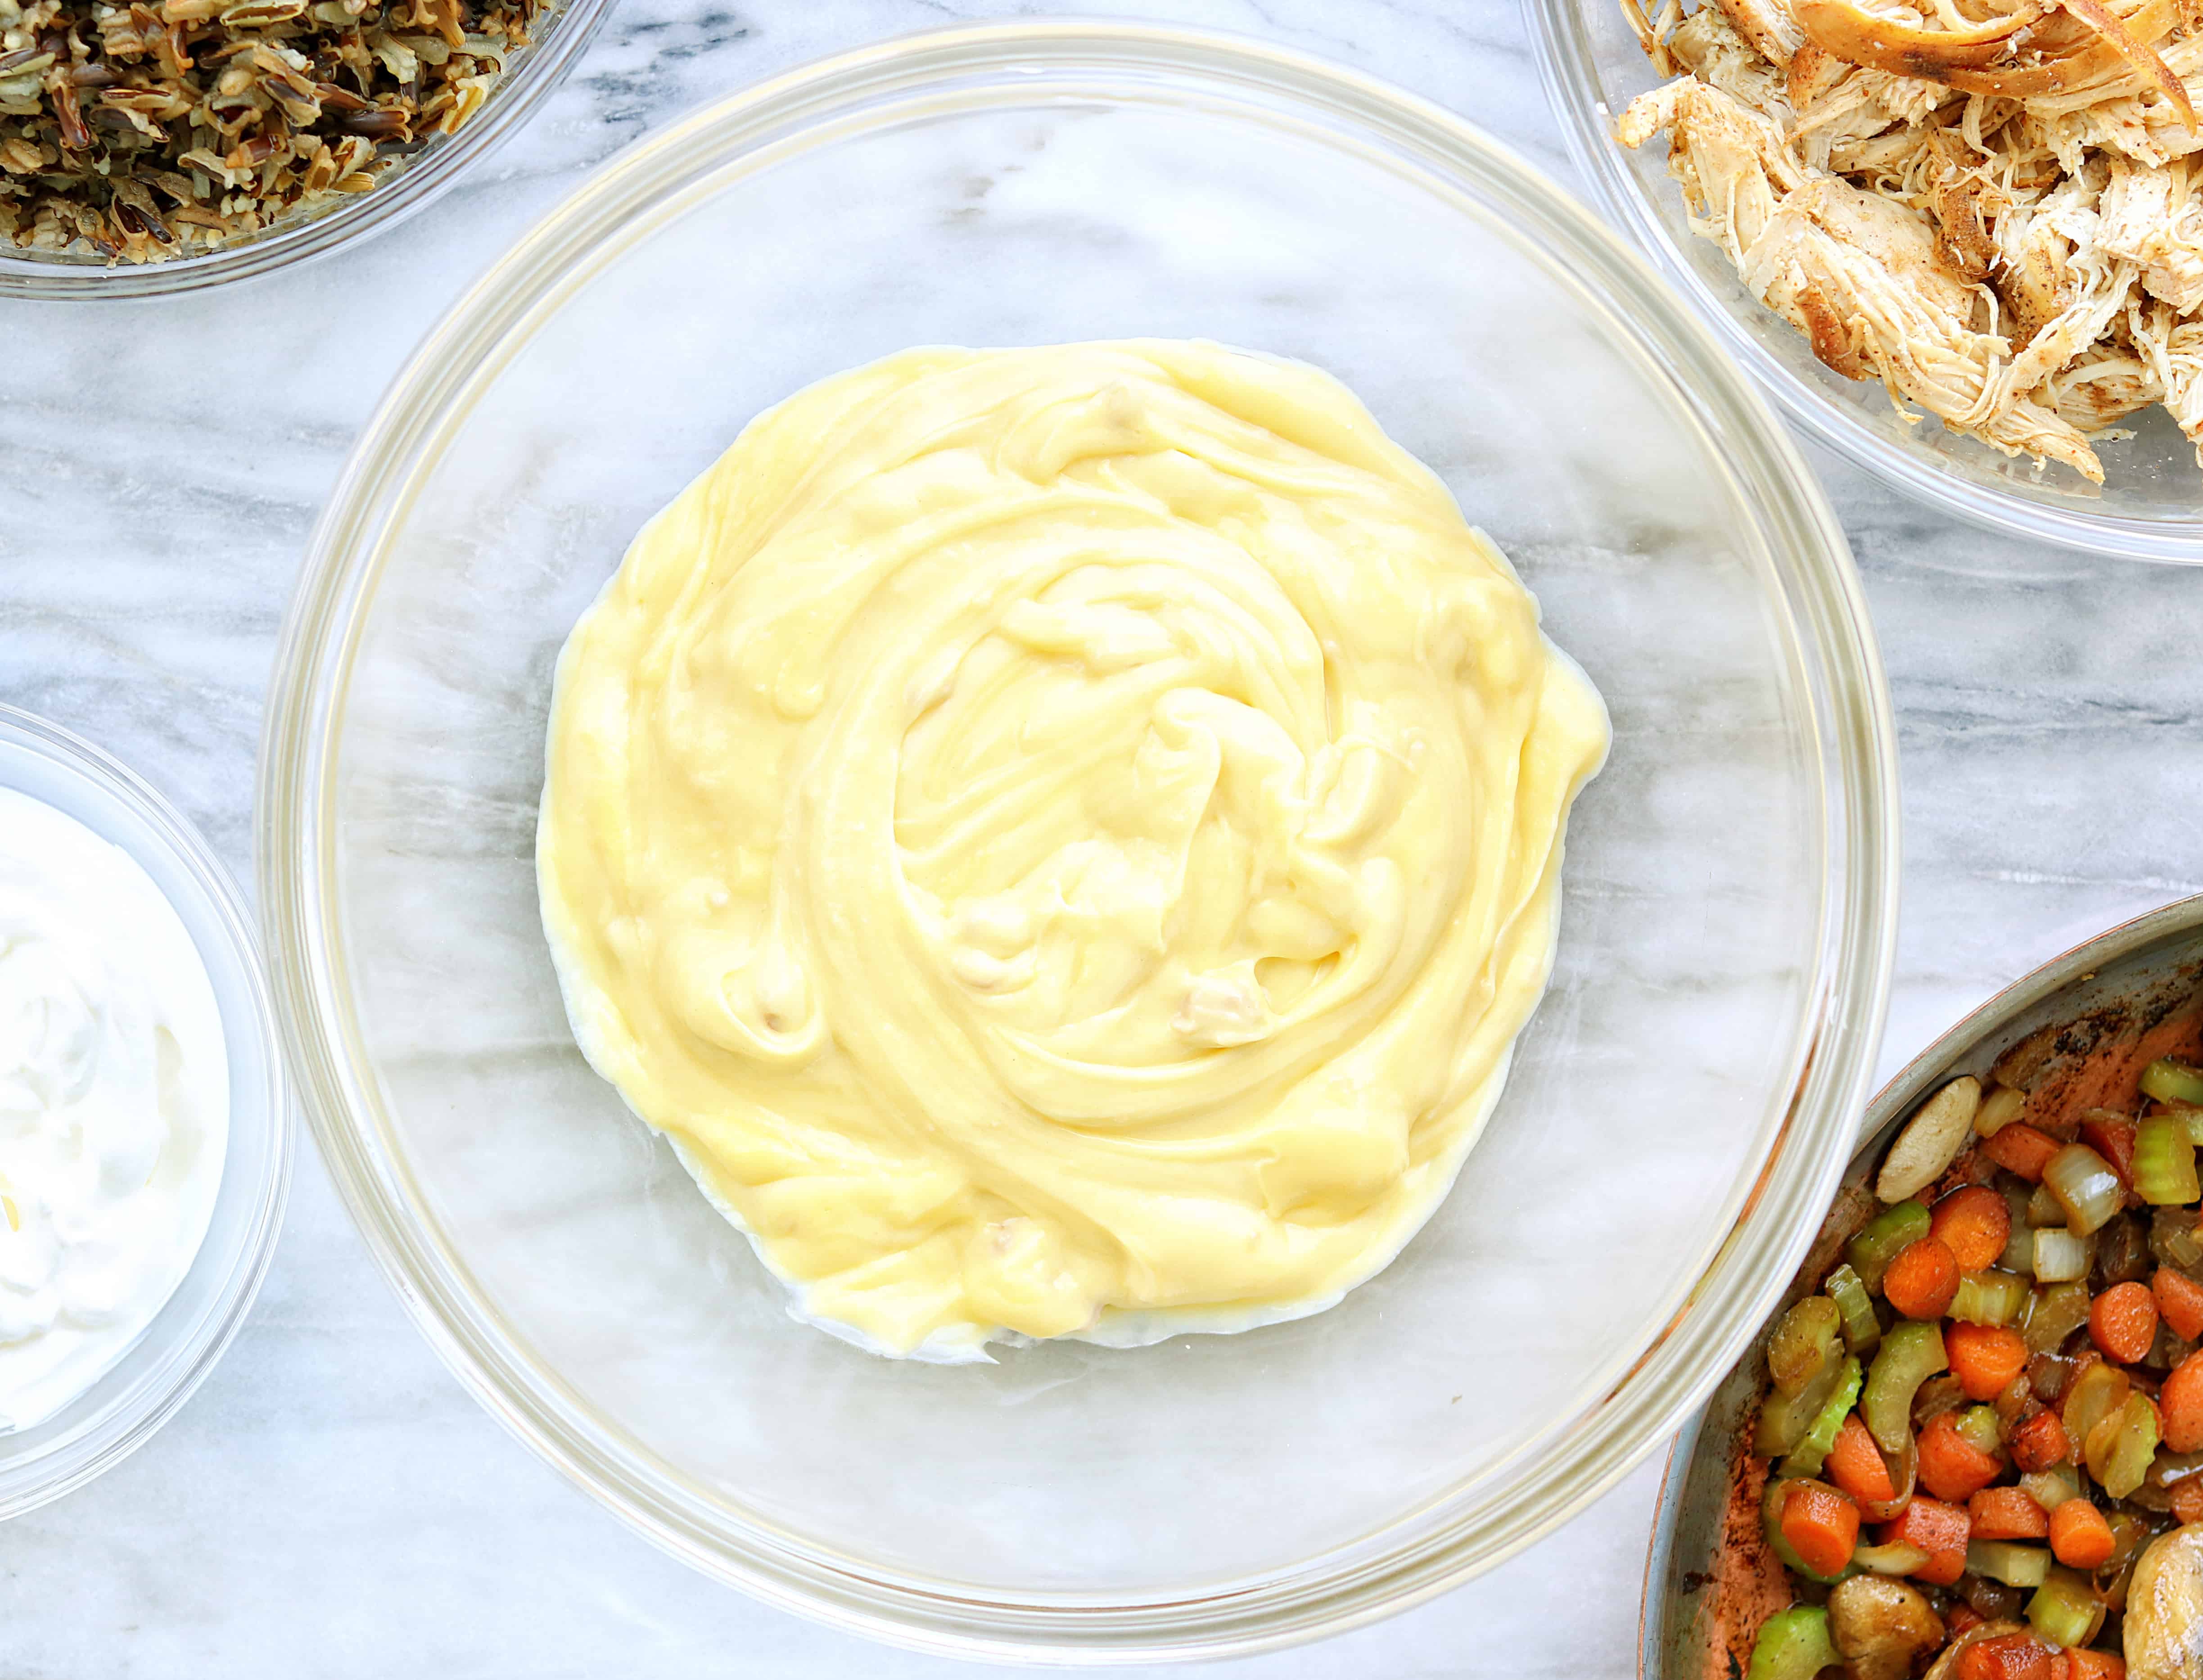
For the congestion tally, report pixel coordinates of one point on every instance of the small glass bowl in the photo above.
(302, 236)
(2151, 504)
(1681, 1101)
(156, 1374)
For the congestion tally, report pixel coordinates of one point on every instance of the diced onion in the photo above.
(1894, 1558)
(2062, 1257)
(2085, 1186)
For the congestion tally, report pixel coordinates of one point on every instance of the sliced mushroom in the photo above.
(1929, 1141)
(1879, 1625)
(2164, 1609)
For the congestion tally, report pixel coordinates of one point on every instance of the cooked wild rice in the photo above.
(142, 131)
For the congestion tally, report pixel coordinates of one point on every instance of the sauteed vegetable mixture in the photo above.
(1983, 1435)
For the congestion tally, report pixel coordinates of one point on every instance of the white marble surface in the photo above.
(331, 1504)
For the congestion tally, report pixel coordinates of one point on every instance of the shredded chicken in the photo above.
(1994, 207)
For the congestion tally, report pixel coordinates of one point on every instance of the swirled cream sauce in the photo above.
(1062, 840)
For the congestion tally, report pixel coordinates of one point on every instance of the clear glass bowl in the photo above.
(141, 1391)
(1679, 1107)
(2151, 506)
(527, 82)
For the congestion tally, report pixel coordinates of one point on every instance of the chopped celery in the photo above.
(1911, 1353)
(1883, 1238)
(2134, 1447)
(1784, 1418)
(1793, 1644)
(2085, 1186)
(2172, 1082)
(2190, 1117)
(1803, 1343)
(1770, 1516)
(1862, 1330)
(2055, 1314)
(1980, 1427)
(1998, 1110)
(2014, 1566)
(1894, 1558)
(2065, 1609)
(2164, 1164)
(1989, 1298)
(1811, 1450)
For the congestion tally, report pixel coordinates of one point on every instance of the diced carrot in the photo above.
(2019, 1148)
(2080, 1538)
(1921, 1280)
(2089, 1665)
(2181, 1402)
(2038, 1442)
(2009, 1656)
(2185, 1498)
(1960, 1618)
(1821, 1525)
(2122, 1322)
(2180, 1298)
(1855, 1464)
(1951, 1466)
(1939, 1529)
(1984, 1357)
(2007, 1513)
(1974, 1224)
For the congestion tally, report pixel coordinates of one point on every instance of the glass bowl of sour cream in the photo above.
(144, 1120)
(1676, 1109)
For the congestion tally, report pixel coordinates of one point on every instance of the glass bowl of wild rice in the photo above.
(165, 145)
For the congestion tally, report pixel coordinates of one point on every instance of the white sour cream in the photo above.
(113, 1105)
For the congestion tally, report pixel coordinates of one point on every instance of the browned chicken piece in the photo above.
(1706, 45)
(2150, 218)
(1770, 27)
(1995, 207)
(1858, 273)
(2103, 386)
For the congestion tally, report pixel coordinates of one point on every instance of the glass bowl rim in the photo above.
(296, 863)
(255, 1041)
(412, 186)
(1564, 67)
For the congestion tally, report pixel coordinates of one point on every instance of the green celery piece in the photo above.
(1803, 1343)
(2165, 1162)
(2013, 1564)
(1979, 1425)
(2173, 1082)
(1862, 1330)
(1989, 1297)
(2136, 1451)
(1911, 1353)
(2065, 1609)
(1811, 1453)
(1883, 1238)
(1793, 1644)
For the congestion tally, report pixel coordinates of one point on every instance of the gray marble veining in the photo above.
(332, 1503)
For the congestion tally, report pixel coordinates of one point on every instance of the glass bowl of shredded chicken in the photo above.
(1958, 240)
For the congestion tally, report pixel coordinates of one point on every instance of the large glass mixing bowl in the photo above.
(1679, 1105)
(2151, 504)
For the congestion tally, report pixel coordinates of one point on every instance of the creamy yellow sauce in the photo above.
(1062, 840)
